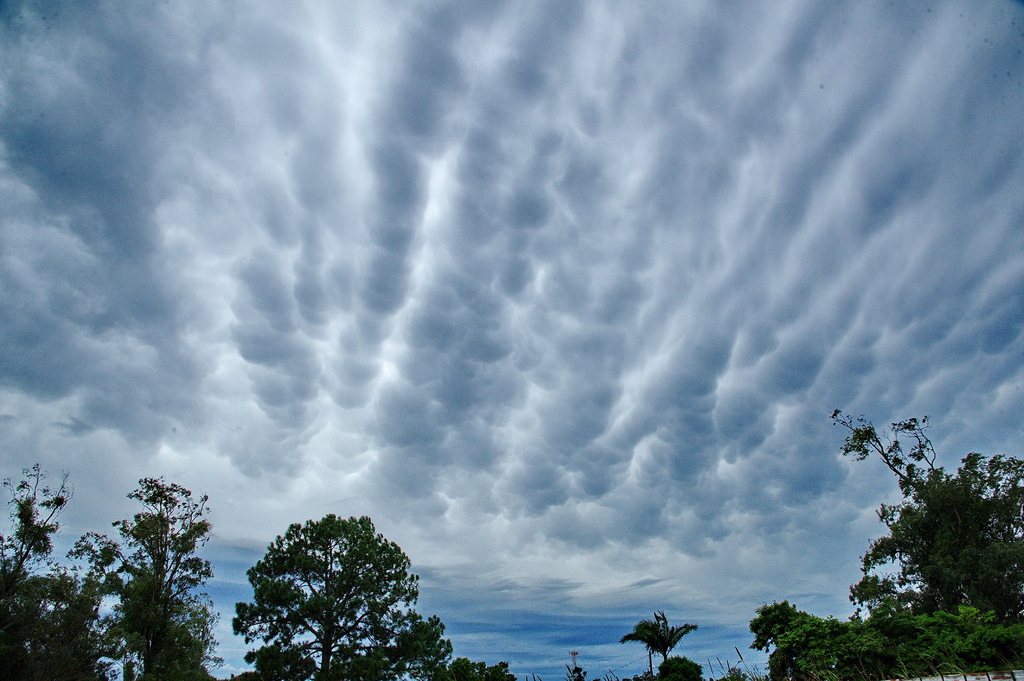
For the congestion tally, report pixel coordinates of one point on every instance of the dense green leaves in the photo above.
(944, 588)
(955, 539)
(804, 646)
(462, 669)
(164, 625)
(49, 625)
(885, 645)
(35, 510)
(421, 648)
(679, 669)
(332, 600)
(57, 633)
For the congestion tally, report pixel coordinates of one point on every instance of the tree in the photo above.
(956, 540)
(48, 614)
(680, 669)
(164, 624)
(884, 646)
(807, 647)
(657, 635)
(332, 600)
(462, 669)
(60, 615)
(35, 510)
(421, 647)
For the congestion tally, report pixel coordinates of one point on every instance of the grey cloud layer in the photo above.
(522, 272)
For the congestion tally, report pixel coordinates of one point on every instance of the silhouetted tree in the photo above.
(956, 540)
(49, 614)
(332, 600)
(163, 624)
(658, 636)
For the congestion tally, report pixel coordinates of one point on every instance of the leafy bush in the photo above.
(680, 669)
(462, 669)
(886, 645)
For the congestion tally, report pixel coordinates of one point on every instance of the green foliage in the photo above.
(163, 624)
(462, 669)
(657, 635)
(968, 640)
(51, 629)
(809, 647)
(35, 509)
(677, 668)
(65, 640)
(886, 645)
(48, 614)
(957, 540)
(332, 598)
(944, 589)
(421, 648)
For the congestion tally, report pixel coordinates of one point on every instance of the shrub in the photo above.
(680, 669)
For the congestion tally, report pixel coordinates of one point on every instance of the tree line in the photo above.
(133, 599)
(332, 599)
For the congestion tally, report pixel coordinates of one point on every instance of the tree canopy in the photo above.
(680, 669)
(49, 626)
(955, 539)
(161, 623)
(944, 589)
(35, 512)
(885, 645)
(332, 600)
(463, 669)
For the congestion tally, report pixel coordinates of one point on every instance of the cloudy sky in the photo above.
(561, 294)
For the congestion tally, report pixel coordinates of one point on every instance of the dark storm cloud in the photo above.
(82, 267)
(286, 370)
(464, 364)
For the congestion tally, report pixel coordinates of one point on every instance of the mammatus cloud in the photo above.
(561, 294)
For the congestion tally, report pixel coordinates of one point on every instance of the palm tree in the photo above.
(658, 636)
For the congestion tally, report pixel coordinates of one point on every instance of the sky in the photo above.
(560, 294)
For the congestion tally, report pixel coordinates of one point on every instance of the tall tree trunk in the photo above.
(325, 659)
